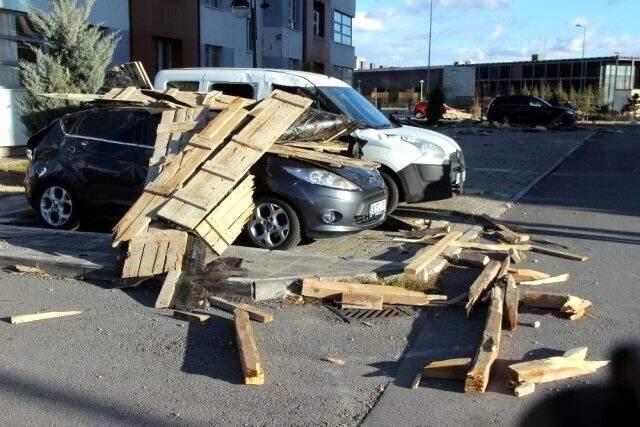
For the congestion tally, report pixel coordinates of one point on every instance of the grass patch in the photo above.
(11, 183)
(402, 281)
(18, 167)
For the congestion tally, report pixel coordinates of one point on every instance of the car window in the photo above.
(114, 125)
(534, 103)
(296, 90)
(244, 90)
(187, 86)
(69, 122)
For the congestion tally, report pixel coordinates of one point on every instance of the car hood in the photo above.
(448, 144)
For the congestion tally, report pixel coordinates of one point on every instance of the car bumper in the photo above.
(422, 182)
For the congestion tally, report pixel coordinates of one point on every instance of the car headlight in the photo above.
(425, 147)
(322, 177)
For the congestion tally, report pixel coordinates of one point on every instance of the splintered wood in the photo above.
(155, 252)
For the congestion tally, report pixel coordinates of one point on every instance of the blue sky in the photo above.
(394, 32)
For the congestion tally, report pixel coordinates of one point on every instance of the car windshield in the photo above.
(545, 103)
(356, 106)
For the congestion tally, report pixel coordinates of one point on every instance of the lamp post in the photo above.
(244, 9)
(421, 90)
(615, 81)
(429, 47)
(584, 39)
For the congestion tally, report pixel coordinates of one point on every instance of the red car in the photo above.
(421, 108)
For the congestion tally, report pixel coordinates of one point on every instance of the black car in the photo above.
(94, 164)
(528, 110)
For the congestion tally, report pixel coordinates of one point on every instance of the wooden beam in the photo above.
(579, 353)
(504, 267)
(254, 313)
(522, 275)
(560, 254)
(566, 303)
(247, 348)
(473, 259)
(168, 289)
(191, 317)
(478, 377)
(24, 318)
(524, 389)
(390, 294)
(484, 280)
(362, 301)
(515, 256)
(422, 259)
(546, 281)
(448, 369)
(554, 369)
(511, 301)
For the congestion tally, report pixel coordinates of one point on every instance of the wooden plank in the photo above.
(168, 289)
(522, 275)
(135, 252)
(247, 348)
(181, 126)
(559, 254)
(456, 369)
(579, 353)
(493, 247)
(423, 258)
(566, 303)
(484, 280)
(478, 377)
(473, 259)
(524, 389)
(254, 313)
(191, 317)
(148, 260)
(361, 301)
(161, 256)
(390, 294)
(554, 369)
(546, 281)
(504, 267)
(176, 252)
(24, 318)
(331, 159)
(511, 301)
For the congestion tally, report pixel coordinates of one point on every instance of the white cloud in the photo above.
(499, 30)
(362, 21)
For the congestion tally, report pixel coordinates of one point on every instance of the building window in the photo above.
(318, 19)
(17, 36)
(164, 50)
(294, 64)
(343, 73)
(212, 56)
(293, 14)
(341, 28)
(212, 3)
(250, 35)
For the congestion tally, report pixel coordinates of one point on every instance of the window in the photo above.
(212, 56)
(318, 19)
(343, 73)
(341, 28)
(294, 64)
(187, 86)
(212, 3)
(293, 14)
(250, 35)
(114, 125)
(168, 53)
(17, 35)
(244, 90)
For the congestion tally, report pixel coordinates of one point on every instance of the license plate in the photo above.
(378, 207)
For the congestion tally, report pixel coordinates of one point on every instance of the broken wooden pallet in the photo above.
(314, 156)
(154, 252)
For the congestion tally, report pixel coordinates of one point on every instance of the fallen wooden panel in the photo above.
(254, 313)
(473, 259)
(523, 275)
(189, 205)
(326, 158)
(24, 318)
(390, 294)
(191, 317)
(422, 259)
(559, 254)
(168, 289)
(223, 224)
(247, 348)
(484, 280)
(511, 302)
(554, 369)
(546, 281)
(448, 369)
(361, 301)
(155, 252)
(478, 377)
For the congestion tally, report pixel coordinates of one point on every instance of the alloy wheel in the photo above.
(56, 206)
(269, 225)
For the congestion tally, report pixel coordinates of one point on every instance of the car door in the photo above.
(103, 152)
(536, 111)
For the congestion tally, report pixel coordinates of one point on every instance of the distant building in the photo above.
(361, 63)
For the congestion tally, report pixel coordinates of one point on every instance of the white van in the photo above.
(417, 164)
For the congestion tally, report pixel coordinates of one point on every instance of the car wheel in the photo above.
(393, 198)
(57, 207)
(505, 120)
(274, 225)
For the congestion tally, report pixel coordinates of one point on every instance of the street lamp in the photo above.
(615, 81)
(584, 39)
(421, 90)
(429, 49)
(244, 9)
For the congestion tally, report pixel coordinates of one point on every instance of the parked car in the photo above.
(421, 108)
(417, 164)
(94, 164)
(528, 110)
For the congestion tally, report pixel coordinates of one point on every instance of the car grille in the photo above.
(363, 217)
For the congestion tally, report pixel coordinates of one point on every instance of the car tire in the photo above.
(393, 198)
(285, 229)
(505, 120)
(57, 207)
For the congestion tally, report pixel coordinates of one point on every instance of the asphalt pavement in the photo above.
(590, 203)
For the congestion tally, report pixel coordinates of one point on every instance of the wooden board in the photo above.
(254, 313)
(566, 303)
(554, 369)
(482, 282)
(189, 205)
(391, 294)
(559, 254)
(247, 349)
(165, 297)
(448, 369)
(546, 281)
(423, 258)
(504, 267)
(511, 302)
(478, 377)
(154, 252)
(24, 318)
(330, 159)
(521, 274)
(473, 259)
(361, 301)
(191, 317)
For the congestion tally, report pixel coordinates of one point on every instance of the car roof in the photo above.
(278, 76)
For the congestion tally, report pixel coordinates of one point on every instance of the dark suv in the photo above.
(94, 164)
(528, 110)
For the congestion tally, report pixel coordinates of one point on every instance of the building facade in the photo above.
(314, 35)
